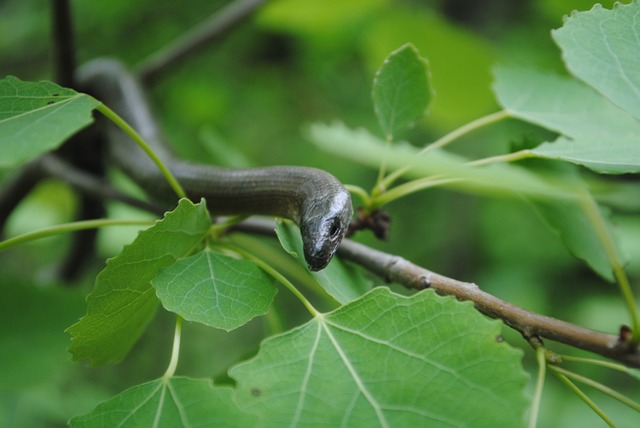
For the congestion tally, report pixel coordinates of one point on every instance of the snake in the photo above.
(312, 198)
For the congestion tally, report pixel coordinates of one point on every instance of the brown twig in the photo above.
(528, 323)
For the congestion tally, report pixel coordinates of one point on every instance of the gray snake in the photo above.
(312, 198)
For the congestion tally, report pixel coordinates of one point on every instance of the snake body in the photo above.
(312, 198)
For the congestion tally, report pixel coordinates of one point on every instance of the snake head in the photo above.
(324, 223)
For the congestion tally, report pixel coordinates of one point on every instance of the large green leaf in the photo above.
(36, 117)
(601, 47)
(401, 90)
(123, 301)
(173, 402)
(343, 282)
(387, 360)
(216, 290)
(602, 137)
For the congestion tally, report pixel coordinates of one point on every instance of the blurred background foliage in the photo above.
(247, 101)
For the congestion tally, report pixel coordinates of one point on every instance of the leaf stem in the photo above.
(509, 157)
(604, 236)
(448, 138)
(175, 350)
(600, 387)
(68, 227)
(602, 363)
(466, 129)
(537, 396)
(218, 228)
(564, 379)
(411, 187)
(276, 275)
(360, 192)
(117, 120)
(380, 182)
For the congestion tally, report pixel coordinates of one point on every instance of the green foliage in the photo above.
(401, 90)
(586, 230)
(36, 118)
(123, 300)
(600, 47)
(376, 358)
(216, 290)
(173, 402)
(380, 361)
(594, 133)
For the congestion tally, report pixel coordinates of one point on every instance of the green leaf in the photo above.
(601, 47)
(504, 179)
(36, 117)
(342, 281)
(600, 135)
(614, 155)
(401, 90)
(215, 290)
(173, 402)
(575, 225)
(559, 103)
(123, 301)
(387, 360)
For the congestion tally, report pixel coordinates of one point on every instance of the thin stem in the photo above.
(564, 379)
(604, 236)
(360, 192)
(412, 187)
(112, 116)
(215, 27)
(537, 396)
(601, 363)
(448, 138)
(218, 228)
(380, 181)
(509, 157)
(175, 350)
(600, 387)
(277, 276)
(466, 129)
(68, 227)
(287, 265)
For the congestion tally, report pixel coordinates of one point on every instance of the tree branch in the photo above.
(215, 27)
(395, 268)
(529, 324)
(16, 188)
(89, 184)
(63, 46)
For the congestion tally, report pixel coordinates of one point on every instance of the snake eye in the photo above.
(335, 229)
